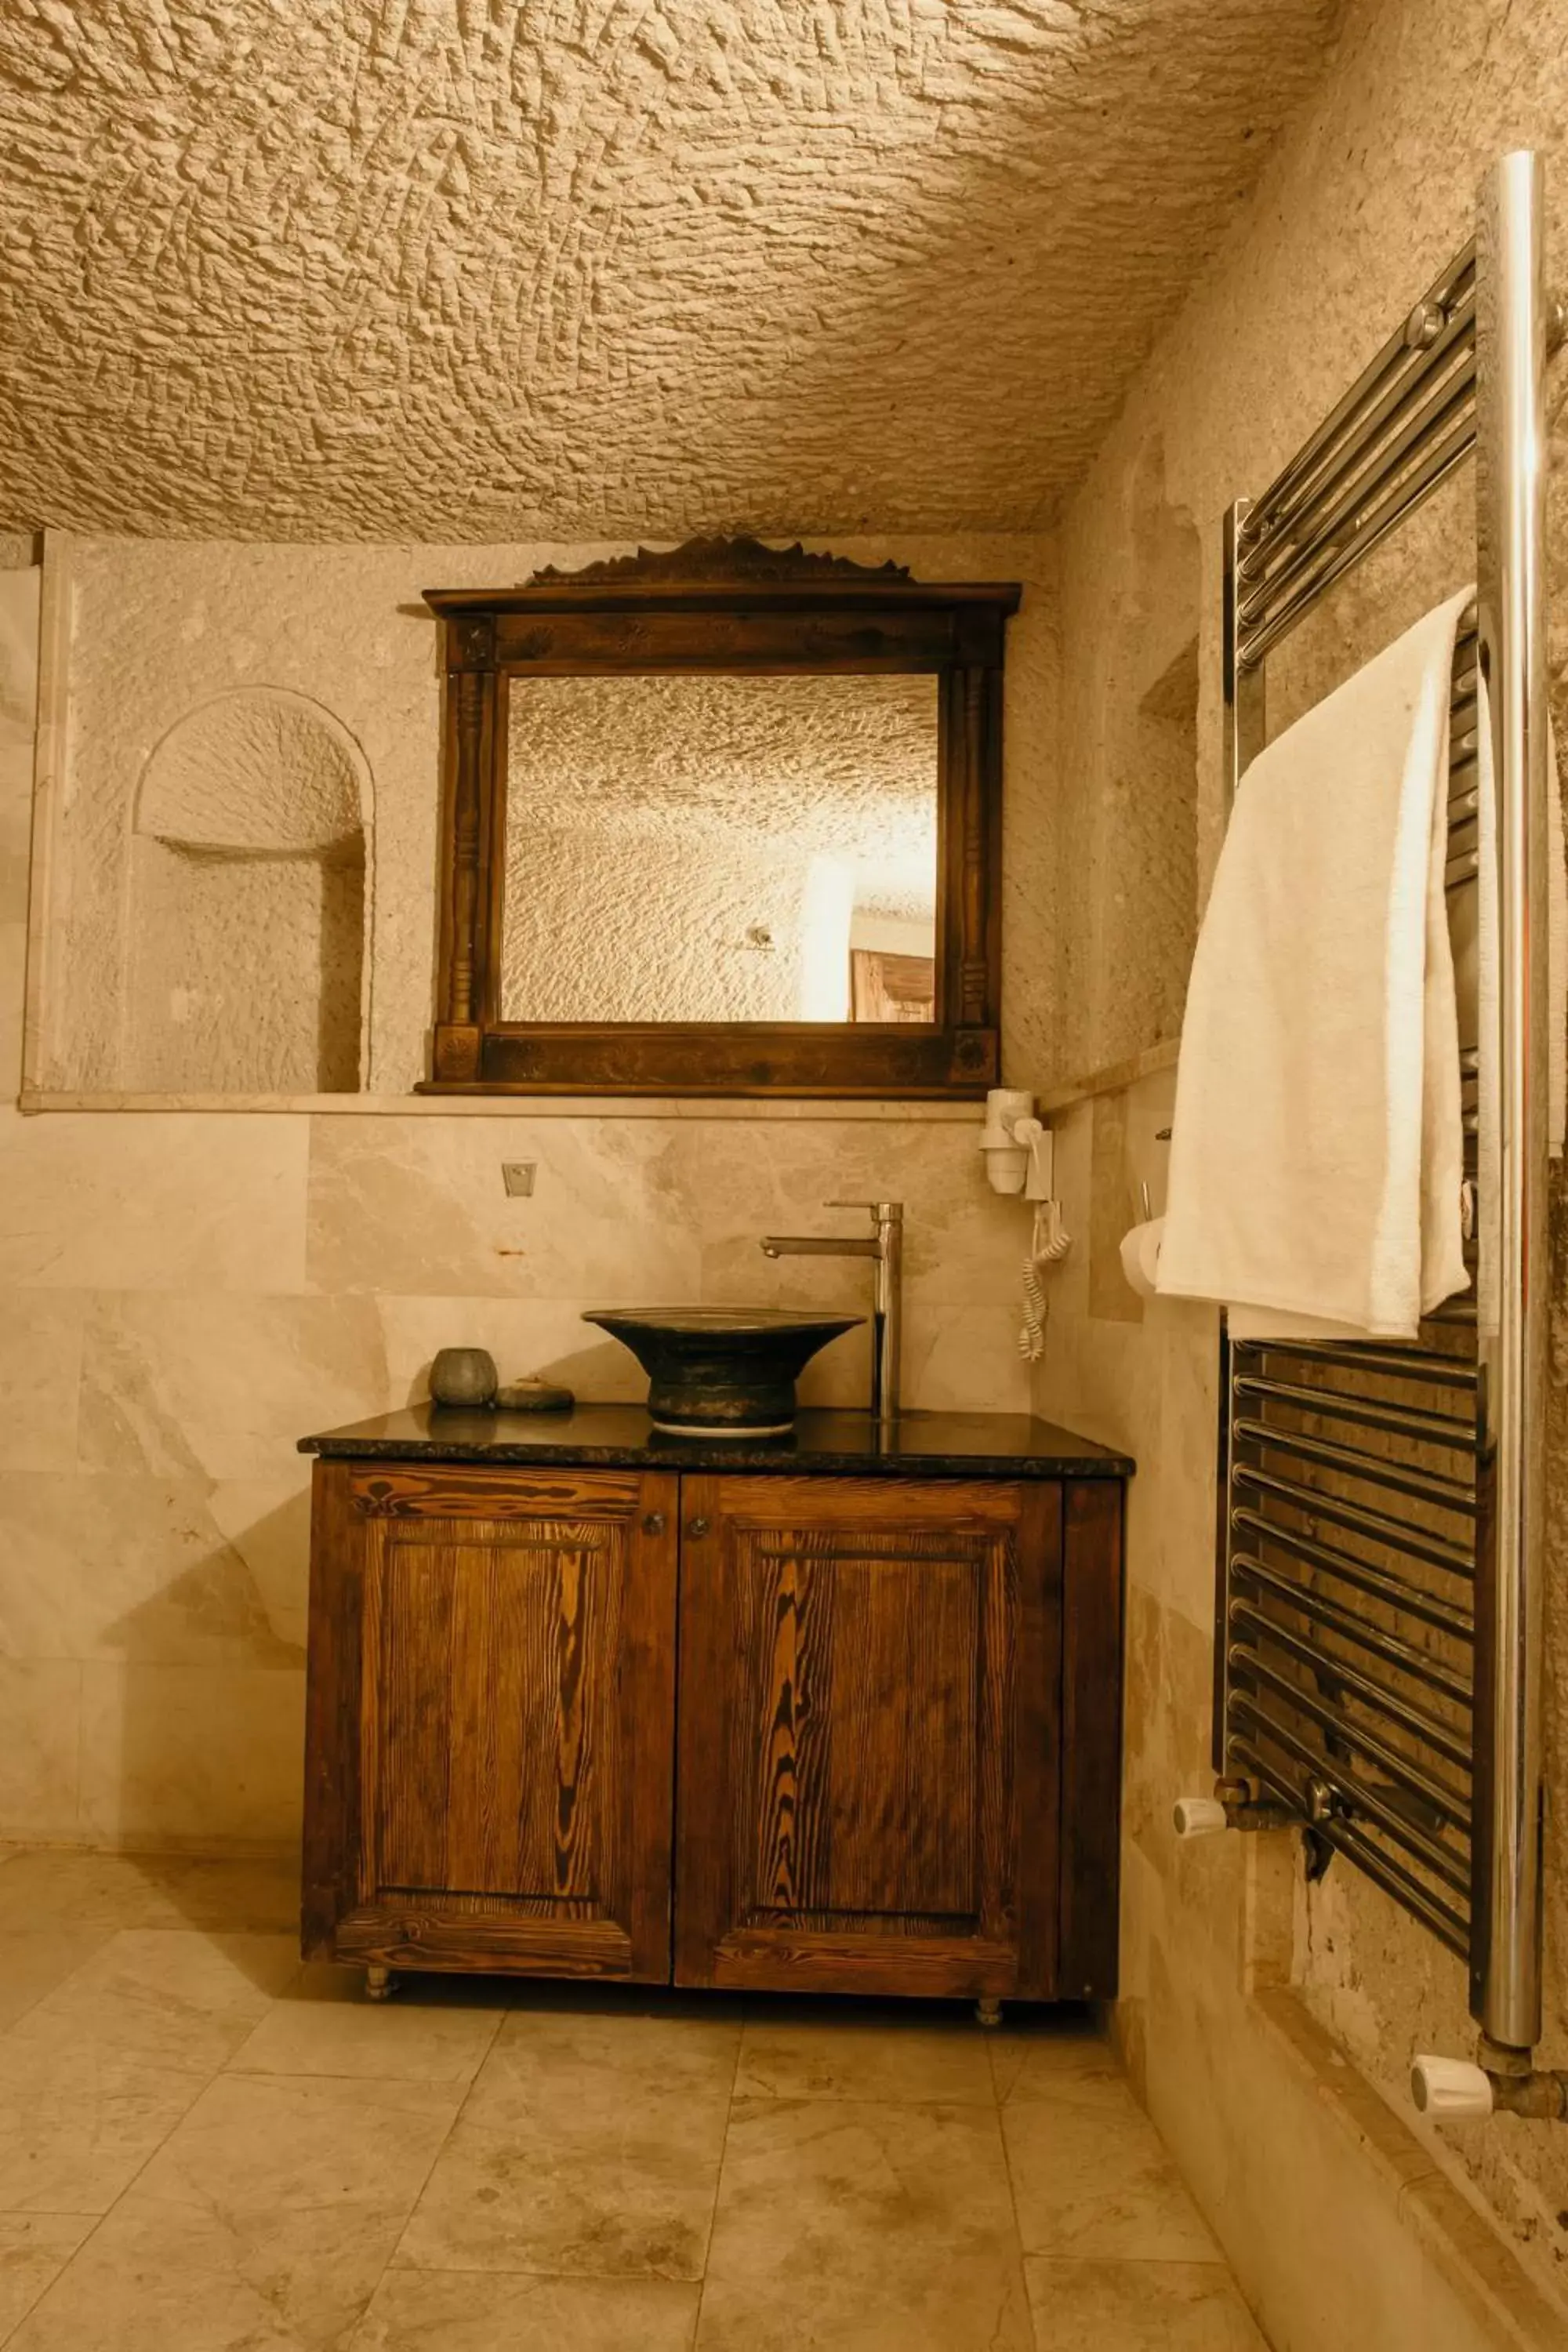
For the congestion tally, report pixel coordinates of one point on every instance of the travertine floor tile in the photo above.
(166, 2278)
(590, 2143)
(76, 2128)
(91, 1891)
(94, 2076)
(1098, 2184)
(262, 2143)
(262, 2225)
(34, 2249)
(324, 2025)
(1063, 2060)
(184, 1997)
(269, 2145)
(863, 2227)
(1139, 2307)
(449, 2310)
(794, 2052)
(34, 1961)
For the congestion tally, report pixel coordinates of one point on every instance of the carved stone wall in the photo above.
(1371, 194)
(161, 629)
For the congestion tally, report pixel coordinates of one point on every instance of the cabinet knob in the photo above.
(696, 1527)
(654, 1523)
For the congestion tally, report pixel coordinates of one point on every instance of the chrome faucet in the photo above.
(885, 1247)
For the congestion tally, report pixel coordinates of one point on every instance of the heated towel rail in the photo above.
(1381, 1556)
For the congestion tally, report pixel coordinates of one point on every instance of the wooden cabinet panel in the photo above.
(869, 1735)
(505, 1648)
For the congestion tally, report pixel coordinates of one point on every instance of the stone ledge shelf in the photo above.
(35, 1101)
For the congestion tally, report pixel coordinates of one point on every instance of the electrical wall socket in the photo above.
(518, 1176)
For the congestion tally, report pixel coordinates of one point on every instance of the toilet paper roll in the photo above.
(1140, 1256)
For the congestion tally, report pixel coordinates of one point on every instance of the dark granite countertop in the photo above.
(621, 1437)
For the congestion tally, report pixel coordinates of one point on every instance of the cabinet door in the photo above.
(867, 1790)
(492, 1720)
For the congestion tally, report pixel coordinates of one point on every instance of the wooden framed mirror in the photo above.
(724, 820)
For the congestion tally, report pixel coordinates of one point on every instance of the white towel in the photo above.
(1317, 1154)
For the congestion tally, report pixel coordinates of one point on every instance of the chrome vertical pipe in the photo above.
(1512, 326)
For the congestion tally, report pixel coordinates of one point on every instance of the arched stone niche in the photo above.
(245, 955)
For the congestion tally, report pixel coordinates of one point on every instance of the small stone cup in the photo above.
(463, 1376)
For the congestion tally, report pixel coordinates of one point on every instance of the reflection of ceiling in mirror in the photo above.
(840, 767)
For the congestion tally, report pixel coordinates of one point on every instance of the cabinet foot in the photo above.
(379, 1984)
(987, 2012)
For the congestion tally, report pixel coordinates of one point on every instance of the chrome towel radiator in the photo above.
(1378, 1648)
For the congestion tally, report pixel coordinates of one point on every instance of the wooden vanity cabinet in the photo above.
(871, 1721)
(490, 1719)
(888, 1762)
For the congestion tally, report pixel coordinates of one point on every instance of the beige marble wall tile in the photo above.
(963, 1248)
(1097, 2184)
(1072, 1141)
(1275, 2149)
(266, 1524)
(41, 1755)
(590, 2143)
(13, 989)
(174, 1201)
(1086, 2306)
(525, 1335)
(105, 1567)
(1169, 1682)
(961, 1353)
(202, 1384)
(33, 2250)
(747, 1178)
(801, 2051)
(869, 2227)
(1189, 1422)
(1114, 1205)
(417, 2311)
(192, 1753)
(670, 1211)
(412, 1206)
(40, 1373)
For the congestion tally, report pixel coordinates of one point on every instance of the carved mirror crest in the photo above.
(720, 820)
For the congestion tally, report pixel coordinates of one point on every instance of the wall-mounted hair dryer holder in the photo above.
(1017, 1146)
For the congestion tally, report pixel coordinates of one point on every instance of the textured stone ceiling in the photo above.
(519, 269)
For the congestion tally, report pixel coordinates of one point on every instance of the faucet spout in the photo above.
(816, 1246)
(885, 1248)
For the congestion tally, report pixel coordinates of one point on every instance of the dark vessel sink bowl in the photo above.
(722, 1371)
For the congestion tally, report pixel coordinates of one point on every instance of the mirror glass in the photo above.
(695, 849)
